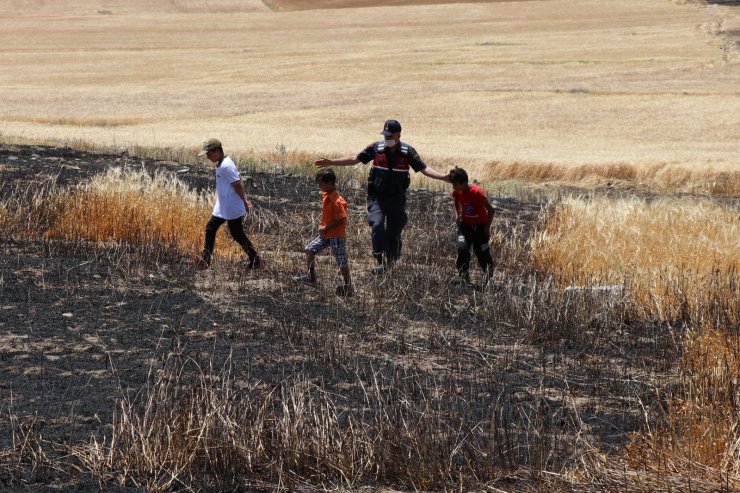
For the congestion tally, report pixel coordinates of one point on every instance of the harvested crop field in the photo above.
(602, 354)
(561, 83)
(282, 5)
(110, 353)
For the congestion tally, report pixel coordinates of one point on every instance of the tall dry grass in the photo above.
(690, 437)
(193, 426)
(391, 420)
(5, 217)
(677, 259)
(131, 207)
(156, 213)
(514, 176)
(464, 395)
(153, 213)
(697, 432)
(707, 180)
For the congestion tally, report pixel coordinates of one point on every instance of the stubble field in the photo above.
(603, 355)
(125, 368)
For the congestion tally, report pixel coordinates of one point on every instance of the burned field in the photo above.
(122, 369)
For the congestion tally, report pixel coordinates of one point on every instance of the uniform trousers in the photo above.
(386, 215)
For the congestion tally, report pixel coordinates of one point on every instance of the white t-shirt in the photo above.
(228, 204)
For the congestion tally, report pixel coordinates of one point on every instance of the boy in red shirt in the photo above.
(473, 215)
(332, 232)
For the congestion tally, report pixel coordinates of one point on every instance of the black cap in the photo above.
(391, 127)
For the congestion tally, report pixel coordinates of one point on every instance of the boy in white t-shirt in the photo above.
(231, 206)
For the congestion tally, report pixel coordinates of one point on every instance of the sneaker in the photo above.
(345, 290)
(197, 262)
(305, 279)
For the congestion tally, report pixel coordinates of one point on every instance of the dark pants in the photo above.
(236, 229)
(476, 236)
(387, 217)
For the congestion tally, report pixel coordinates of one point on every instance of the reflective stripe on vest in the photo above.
(381, 161)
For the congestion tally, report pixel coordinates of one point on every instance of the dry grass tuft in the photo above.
(698, 433)
(192, 426)
(678, 259)
(156, 213)
(131, 207)
(5, 217)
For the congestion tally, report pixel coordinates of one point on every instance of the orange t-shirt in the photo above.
(333, 207)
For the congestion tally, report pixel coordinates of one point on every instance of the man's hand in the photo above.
(323, 162)
(248, 204)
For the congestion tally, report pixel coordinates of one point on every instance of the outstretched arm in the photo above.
(432, 173)
(344, 161)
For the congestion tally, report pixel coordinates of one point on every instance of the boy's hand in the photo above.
(322, 229)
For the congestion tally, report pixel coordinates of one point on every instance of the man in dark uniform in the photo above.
(386, 189)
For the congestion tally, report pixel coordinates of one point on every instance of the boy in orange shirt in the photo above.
(332, 232)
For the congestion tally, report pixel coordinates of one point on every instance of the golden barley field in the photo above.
(629, 83)
(672, 256)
